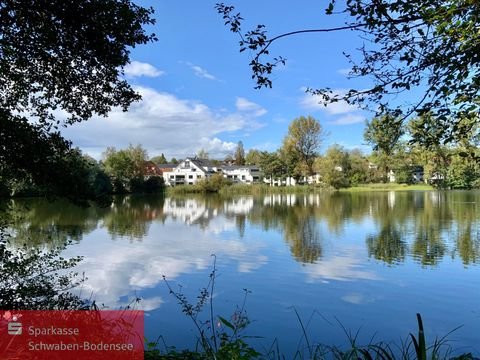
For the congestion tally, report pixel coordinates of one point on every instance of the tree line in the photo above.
(398, 151)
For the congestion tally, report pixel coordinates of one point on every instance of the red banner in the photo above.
(104, 334)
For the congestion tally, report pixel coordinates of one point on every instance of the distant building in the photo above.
(193, 169)
(246, 174)
(151, 169)
(416, 172)
(189, 171)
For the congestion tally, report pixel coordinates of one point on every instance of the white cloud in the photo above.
(246, 105)
(162, 123)
(200, 72)
(137, 69)
(316, 102)
(349, 119)
(350, 113)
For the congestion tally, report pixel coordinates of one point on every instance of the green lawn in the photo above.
(388, 187)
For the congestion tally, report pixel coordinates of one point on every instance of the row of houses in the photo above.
(192, 170)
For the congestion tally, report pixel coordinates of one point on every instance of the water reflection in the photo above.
(393, 226)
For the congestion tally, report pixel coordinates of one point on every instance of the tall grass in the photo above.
(246, 189)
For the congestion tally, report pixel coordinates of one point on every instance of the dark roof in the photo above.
(202, 162)
(234, 167)
(167, 166)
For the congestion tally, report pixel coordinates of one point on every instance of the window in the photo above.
(243, 177)
(190, 176)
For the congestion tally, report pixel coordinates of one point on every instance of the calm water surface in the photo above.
(369, 261)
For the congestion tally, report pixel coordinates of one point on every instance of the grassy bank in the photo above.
(259, 189)
(388, 187)
(244, 189)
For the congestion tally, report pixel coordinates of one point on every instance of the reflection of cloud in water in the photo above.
(344, 267)
(116, 269)
(358, 299)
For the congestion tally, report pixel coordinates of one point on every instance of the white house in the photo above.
(242, 173)
(189, 171)
(193, 169)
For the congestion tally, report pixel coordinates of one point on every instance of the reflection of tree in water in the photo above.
(131, 216)
(304, 240)
(468, 245)
(296, 219)
(50, 224)
(39, 222)
(387, 245)
(428, 225)
(429, 245)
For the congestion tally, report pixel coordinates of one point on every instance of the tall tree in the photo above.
(303, 141)
(203, 154)
(383, 133)
(67, 56)
(272, 165)
(125, 166)
(427, 45)
(253, 157)
(240, 154)
(159, 159)
(334, 167)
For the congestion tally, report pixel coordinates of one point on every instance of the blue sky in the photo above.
(198, 92)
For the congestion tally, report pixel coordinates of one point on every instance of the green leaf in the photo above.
(226, 323)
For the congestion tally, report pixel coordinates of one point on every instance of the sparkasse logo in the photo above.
(14, 327)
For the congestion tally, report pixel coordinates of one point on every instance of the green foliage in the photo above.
(213, 183)
(303, 141)
(427, 45)
(272, 165)
(159, 159)
(383, 133)
(30, 277)
(218, 337)
(253, 157)
(462, 173)
(359, 171)
(153, 184)
(61, 57)
(334, 167)
(126, 168)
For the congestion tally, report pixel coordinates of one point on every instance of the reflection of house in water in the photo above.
(391, 199)
(292, 199)
(280, 199)
(197, 211)
(190, 211)
(242, 205)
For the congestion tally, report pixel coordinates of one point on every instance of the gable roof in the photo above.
(201, 162)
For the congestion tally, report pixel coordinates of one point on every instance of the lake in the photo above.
(363, 261)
